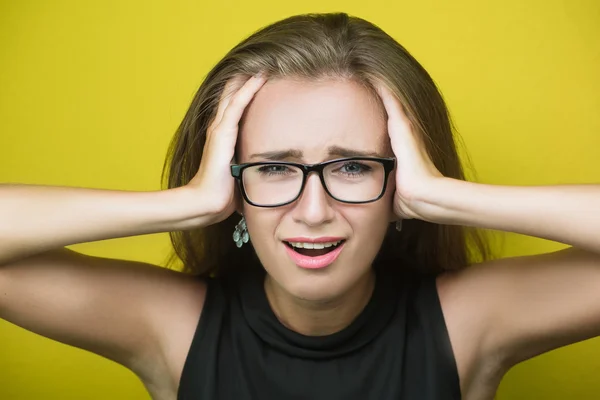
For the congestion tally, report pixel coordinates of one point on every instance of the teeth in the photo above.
(323, 245)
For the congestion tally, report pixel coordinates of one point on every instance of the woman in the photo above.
(337, 175)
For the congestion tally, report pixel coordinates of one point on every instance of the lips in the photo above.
(322, 257)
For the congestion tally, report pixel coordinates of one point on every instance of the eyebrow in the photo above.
(332, 151)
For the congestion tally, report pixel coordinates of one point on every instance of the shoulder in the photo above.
(192, 312)
(502, 312)
(175, 314)
(462, 296)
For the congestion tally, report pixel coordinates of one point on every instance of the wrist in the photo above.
(190, 209)
(434, 202)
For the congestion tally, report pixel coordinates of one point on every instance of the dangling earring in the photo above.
(240, 235)
(399, 225)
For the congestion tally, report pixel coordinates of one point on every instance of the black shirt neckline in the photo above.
(369, 323)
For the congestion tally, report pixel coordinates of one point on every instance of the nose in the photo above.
(313, 207)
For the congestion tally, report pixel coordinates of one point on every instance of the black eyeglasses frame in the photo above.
(389, 163)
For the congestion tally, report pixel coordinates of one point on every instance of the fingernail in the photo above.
(260, 75)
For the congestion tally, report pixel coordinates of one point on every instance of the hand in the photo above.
(415, 172)
(213, 183)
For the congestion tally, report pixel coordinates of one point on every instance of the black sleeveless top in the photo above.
(397, 348)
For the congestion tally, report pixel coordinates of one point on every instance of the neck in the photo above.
(319, 318)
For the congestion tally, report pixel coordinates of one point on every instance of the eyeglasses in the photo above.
(354, 180)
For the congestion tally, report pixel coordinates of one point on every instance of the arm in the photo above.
(35, 219)
(530, 304)
(567, 214)
(508, 310)
(134, 313)
(114, 308)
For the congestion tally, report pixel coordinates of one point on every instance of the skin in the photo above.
(311, 117)
(498, 314)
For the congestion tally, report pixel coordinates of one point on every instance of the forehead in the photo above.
(310, 117)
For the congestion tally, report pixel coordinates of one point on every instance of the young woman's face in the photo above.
(310, 120)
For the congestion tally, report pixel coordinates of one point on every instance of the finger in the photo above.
(235, 108)
(231, 87)
(224, 135)
(400, 129)
(393, 107)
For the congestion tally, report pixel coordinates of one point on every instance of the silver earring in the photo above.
(399, 225)
(240, 235)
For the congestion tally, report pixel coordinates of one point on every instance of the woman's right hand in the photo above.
(213, 183)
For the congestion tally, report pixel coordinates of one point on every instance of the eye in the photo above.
(354, 168)
(275, 169)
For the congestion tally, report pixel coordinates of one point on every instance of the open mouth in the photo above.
(314, 249)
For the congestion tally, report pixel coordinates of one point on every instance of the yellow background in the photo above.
(91, 92)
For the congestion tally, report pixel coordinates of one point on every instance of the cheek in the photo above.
(262, 224)
(370, 220)
(369, 227)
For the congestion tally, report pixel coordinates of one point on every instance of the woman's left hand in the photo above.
(416, 175)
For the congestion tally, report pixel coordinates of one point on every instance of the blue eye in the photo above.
(354, 168)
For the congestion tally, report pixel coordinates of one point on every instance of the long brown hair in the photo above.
(315, 47)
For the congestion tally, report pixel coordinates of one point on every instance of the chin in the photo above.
(310, 285)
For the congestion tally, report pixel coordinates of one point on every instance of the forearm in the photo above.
(568, 214)
(35, 219)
